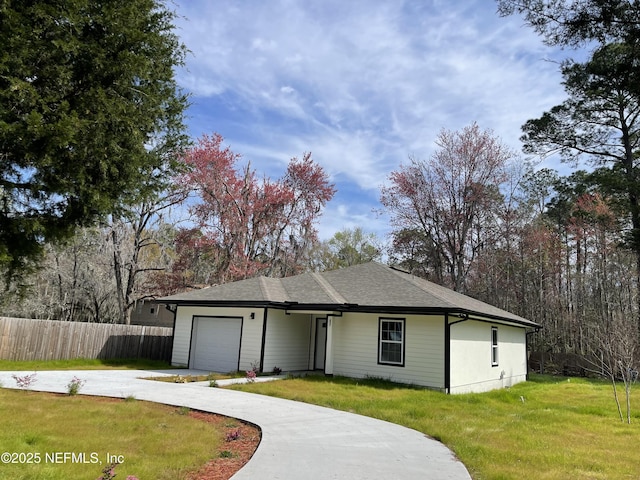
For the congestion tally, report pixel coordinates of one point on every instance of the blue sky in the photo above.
(362, 84)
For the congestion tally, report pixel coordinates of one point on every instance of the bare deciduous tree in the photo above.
(617, 349)
(138, 249)
(450, 197)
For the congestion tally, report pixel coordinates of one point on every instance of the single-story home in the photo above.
(369, 320)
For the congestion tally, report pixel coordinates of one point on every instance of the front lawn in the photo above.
(547, 428)
(61, 437)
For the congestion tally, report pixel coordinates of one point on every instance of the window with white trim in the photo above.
(494, 346)
(391, 341)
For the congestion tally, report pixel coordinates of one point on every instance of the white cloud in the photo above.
(341, 216)
(361, 84)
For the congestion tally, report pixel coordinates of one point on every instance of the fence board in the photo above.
(26, 339)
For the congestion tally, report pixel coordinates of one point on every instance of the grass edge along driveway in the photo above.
(547, 428)
(162, 442)
(76, 437)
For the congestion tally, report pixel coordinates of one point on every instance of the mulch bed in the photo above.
(240, 442)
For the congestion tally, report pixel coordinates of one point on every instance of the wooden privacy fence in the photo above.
(26, 339)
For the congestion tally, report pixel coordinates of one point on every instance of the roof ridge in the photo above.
(272, 288)
(328, 288)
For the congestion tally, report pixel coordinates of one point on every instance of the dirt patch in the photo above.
(239, 443)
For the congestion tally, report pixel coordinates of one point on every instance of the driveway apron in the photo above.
(299, 441)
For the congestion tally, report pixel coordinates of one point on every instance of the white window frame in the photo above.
(494, 347)
(382, 342)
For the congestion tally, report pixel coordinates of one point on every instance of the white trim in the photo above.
(495, 345)
(390, 341)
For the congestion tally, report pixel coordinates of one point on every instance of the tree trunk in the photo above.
(615, 395)
(117, 270)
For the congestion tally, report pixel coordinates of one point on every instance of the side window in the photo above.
(391, 341)
(494, 346)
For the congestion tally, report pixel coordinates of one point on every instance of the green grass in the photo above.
(548, 428)
(155, 441)
(85, 364)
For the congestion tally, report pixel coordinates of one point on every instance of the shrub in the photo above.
(25, 381)
(109, 473)
(74, 386)
(184, 411)
(233, 435)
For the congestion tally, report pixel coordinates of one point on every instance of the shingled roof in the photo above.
(369, 287)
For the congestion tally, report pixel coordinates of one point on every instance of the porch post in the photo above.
(328, 361)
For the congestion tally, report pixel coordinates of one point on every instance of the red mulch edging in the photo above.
(240, 442)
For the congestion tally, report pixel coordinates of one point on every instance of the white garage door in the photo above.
(216, 344)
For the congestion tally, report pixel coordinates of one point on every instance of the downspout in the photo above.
(174, 311)
(310, 357)
(447, 354)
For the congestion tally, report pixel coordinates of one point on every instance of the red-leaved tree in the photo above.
(249, 225)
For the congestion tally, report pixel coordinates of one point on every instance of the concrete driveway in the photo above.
(299, 441)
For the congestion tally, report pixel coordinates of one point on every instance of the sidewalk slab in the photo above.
(299, 440)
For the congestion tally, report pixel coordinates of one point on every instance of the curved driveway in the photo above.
(298, 440)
